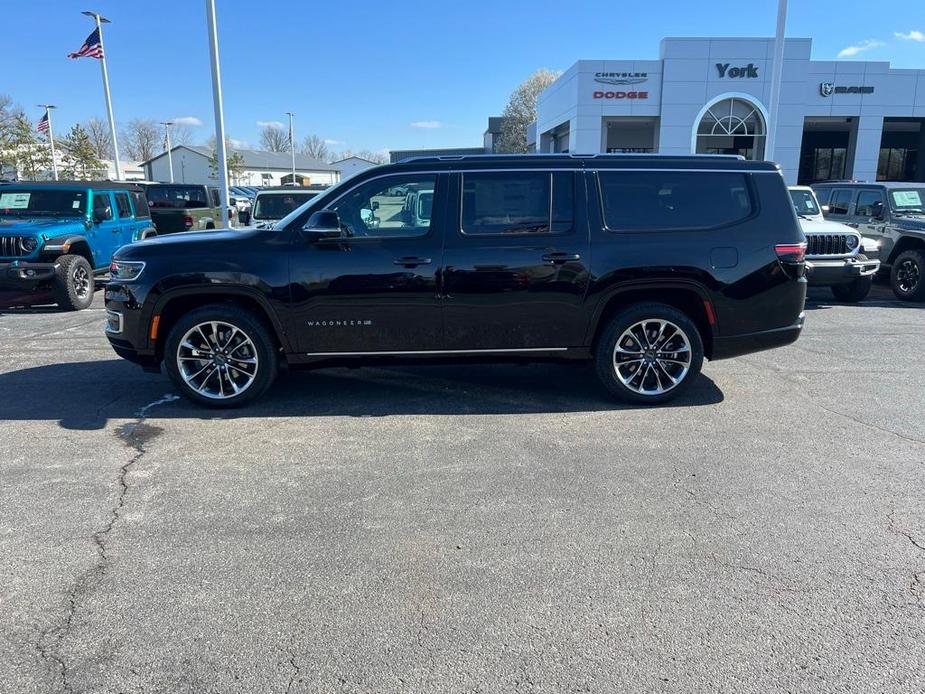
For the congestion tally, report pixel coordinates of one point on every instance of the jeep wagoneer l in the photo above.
(644, 265)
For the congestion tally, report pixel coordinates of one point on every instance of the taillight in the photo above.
(791, 252)
(188, 222)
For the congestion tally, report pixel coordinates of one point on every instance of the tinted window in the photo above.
(278, 205)
(911, 199)
(214, 196)
(840, 201)
(124, 208)
(644, 200)
(517, 202)
(140, 202)
(822, 195)
(870, 203)
(176, 197)
(372, 209)
(102, 207)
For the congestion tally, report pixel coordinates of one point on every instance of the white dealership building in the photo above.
(836, 119)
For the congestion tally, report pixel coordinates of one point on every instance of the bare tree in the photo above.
(521, 110)
(369, 155)
(274, 139)
(181, 134)
(98, 132)
(315, 147)
(143, 138)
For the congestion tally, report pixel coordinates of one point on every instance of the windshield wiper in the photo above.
(909, 210)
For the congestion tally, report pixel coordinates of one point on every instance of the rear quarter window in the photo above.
(673, 200)
(840, 201)
(140, 203)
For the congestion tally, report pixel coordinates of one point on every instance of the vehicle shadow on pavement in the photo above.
(881, 296)
(115, 389)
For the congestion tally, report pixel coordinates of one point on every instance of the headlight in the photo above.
(852, 242)
(126, 270)
(28, 243)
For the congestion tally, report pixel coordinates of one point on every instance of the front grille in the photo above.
(827, 244)
(10, 248)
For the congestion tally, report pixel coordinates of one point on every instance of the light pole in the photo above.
(776, 76)
(167, 125)
(220, 152)
(100, 20)
(51, 138)
(292, 144)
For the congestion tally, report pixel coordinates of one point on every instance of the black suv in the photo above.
(892, 213)
(643, 264)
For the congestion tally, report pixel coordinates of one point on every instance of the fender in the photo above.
(147, 233)
(62, 244)
(218, 290)
(649, 284)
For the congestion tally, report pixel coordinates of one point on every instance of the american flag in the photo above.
(42, 126)
(92, 48)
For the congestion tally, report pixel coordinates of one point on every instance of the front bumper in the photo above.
(824, 272)
(20, 274)
(125, 327)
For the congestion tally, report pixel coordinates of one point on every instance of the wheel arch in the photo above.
(69, 245)
(906, 243)
(174, 304)
(688, 297)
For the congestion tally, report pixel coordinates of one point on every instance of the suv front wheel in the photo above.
(221, 356)
(649, 354)
(907, 276)
(74, 283)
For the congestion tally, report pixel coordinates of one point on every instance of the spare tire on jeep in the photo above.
(73, 284)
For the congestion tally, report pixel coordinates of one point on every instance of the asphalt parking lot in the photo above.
(480, 529)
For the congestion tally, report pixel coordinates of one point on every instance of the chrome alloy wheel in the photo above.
(81, 280)
(652, 356)
(217, 360)
(907, 275)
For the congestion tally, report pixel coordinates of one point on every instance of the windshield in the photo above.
(804, 202)
(23, 202)
(907, 200)
(176, 197)
(278, 205)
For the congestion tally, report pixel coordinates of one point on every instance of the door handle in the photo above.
(560, 258)
(411, 261)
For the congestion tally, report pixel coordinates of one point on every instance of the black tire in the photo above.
(854, 291)
(210, 225)
(605, 353)
(262, 348)
(73, 284)
(907, 276)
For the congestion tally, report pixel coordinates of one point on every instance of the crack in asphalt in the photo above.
(137, 435)
(917, 585)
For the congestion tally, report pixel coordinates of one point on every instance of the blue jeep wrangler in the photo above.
(56, 237)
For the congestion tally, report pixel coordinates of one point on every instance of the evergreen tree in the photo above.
(234, 161)
(80, 160)
(32, 154)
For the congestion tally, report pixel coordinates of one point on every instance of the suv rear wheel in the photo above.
(649, 354)
(221, 356)
(907, 276)
(73, 284)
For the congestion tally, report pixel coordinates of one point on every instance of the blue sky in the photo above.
(376, 75)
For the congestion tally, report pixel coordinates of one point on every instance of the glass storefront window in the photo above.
(732, 126)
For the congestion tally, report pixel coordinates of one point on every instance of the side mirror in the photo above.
(102, 215)
(375, 205)
(825, 208)
(323, 224)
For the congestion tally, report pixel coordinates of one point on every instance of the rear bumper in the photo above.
(737, 345)
(825, 273)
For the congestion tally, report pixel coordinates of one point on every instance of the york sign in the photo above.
(749, 70)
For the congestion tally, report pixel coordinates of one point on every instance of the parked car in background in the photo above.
(272, 204)
(835, 253)
(643, 265)
(418, 206)
(179, 207)
(892, 213)
(241, 206)
(55, 238)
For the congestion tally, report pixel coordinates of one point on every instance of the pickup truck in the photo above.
(183, 207)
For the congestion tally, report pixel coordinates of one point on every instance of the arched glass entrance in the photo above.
(732, 126)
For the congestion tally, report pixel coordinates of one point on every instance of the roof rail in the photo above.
(564, 155)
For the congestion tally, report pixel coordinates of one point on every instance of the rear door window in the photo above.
(140, 203)
(517, 202)
(636, 201)
(122, 204)
(840, 201)
(870, 204)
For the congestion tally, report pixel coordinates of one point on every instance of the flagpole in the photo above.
(51, 138)
(220, 153)
(100, 20)
(167, 125)
(292, 144)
